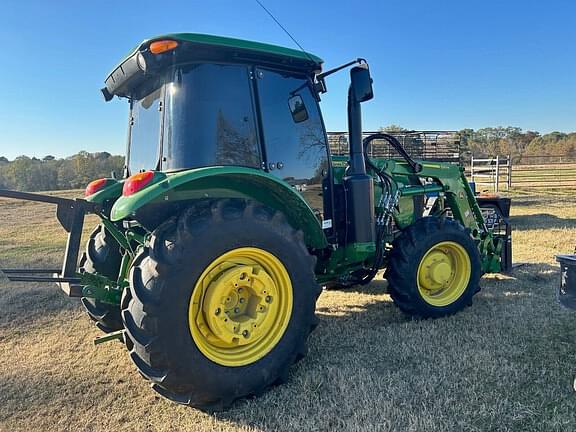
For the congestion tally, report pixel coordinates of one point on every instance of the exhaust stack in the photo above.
(358, 185)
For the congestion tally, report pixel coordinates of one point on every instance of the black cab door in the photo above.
(293, 133)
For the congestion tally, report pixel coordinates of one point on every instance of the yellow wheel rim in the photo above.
(444, 273)
(240, 306)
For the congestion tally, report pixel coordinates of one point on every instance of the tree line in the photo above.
(74, 172)
(517, 143)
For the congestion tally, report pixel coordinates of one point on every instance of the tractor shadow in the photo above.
(525, 280)
(531, 273)
(542, 200)
(377, 286)
(361, 334)
(540, 221)
(357, 332)
(25, 304)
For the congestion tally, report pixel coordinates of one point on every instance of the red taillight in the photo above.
(95, 186)
(137, 182)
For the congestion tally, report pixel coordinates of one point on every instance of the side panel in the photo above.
(227, 182)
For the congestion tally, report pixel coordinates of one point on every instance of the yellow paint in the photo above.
(240, 306)
(444, 273)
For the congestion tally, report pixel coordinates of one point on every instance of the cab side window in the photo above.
(293, 132)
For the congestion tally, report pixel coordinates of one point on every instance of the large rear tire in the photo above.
(434, 268)
(102, 256)
(220, 304)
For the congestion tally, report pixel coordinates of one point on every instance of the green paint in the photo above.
(447, 180)
(227, 182)
(124, 269)
(117, 335)
(138, 238)
(118, 235)
(111, 191)
(420, 190)
(347, 259)
(404, 216)
(227, 42)
(315, 62)
(101, 288)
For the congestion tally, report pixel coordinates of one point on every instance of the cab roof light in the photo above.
(161, 46)
(94, 186)
(137, 182)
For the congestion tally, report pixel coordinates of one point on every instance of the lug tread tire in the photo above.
(102, 255)
(407, 251)
(161, 282)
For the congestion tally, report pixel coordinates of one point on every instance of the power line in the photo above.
(285, 31)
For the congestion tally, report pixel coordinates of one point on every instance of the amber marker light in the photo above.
(161, 46)
(137, 182)
(94, 186)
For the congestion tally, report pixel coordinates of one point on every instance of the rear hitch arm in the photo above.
(70, 213)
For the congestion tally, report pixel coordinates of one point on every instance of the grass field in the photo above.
(505, 364)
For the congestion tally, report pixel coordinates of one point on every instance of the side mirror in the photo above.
(361, 83)
(298, 109)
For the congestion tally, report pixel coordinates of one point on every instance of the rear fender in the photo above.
(111, 191)
(227, 182)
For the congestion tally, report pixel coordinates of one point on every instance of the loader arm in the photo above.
(454, 194)
(447, 179)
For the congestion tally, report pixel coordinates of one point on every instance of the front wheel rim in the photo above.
(240, 306)
(444, 273)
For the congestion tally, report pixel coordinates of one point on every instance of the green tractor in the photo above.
(232, 214)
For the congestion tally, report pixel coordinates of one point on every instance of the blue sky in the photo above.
(436, 64)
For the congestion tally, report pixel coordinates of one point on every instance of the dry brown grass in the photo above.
(505, 364)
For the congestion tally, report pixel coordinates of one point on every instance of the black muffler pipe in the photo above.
(358, 185)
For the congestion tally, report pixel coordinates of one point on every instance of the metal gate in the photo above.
(495, 173)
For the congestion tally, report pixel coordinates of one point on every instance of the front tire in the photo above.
(434, 268)
(220, 304)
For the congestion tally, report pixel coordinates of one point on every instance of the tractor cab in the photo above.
(200, 101)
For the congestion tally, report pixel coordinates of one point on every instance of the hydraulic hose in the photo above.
(416, 167)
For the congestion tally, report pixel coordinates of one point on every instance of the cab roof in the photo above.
(197, 47)
(241, 44)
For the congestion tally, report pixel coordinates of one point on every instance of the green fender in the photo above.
(111, 191)
(226, 182)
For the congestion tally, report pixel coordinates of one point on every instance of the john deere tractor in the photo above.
(232, 214)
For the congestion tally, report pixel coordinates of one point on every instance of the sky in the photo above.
(444, 65)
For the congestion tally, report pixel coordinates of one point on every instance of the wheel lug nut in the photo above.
(245, 333)
(240, 290)
(217, 312)
(241, 300)
(268, 299)
(236, 310)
